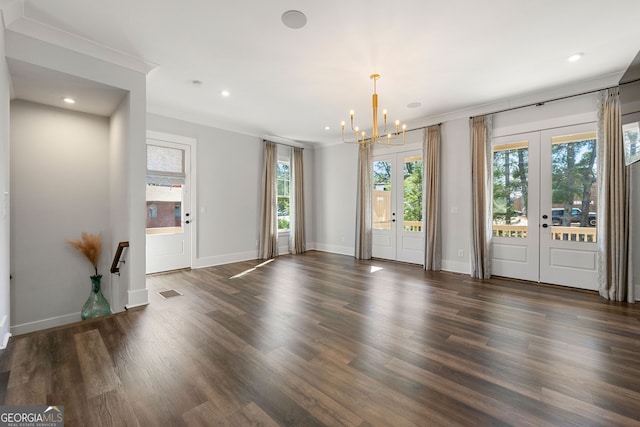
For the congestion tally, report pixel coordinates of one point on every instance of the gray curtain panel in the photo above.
(297, 240)
(364, 222)
(480, 197)
(269, 224)
(431, 173)
(613, 202)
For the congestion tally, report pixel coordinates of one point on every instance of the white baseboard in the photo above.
(225, 259)
(283, 250)
(4, 332)
(456, 266)
(5, 341)
(137, 298)
(335, 249)
(39, 325)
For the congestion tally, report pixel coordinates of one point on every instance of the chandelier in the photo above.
(377, 137)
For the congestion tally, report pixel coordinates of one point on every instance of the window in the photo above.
(165, 189)
(510, 189)
(283, 176)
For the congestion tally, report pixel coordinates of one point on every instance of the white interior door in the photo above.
(397, 207)
(168, 206)
(544, 213)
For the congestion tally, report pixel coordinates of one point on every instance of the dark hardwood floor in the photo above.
(320, 339)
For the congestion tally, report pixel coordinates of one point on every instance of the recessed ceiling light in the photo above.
(414, 105)
(294, 19)
(327, 128)
(69, 100)
(575, 57)
(225, 93)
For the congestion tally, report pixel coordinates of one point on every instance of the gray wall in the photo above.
(335, 172)
(128, 166)
(229, 190)
(5, 307)
(60, 188)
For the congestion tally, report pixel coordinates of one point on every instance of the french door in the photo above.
(544, 206)
(168, 206)
(397, 207)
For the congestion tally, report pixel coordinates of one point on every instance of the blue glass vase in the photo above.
(97, 305)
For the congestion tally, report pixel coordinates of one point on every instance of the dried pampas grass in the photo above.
(90, 246)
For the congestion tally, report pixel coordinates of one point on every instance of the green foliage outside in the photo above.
(283, 224)
(283, 176)
(510, 184)
(413, 191)
(382, 175)
(412, 185)
(573, 169)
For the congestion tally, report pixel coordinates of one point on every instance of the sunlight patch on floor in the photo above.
(249, 270)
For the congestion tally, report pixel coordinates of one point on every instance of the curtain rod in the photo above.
(540, 103)
(423, 127)
(282, 143)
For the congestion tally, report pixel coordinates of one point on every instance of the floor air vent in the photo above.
(170, 293)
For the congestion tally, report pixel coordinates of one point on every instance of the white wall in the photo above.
(5, 307)
(455, 195)
(334, 198)
(39, 52)
(119, 195)
(229, 190)
(635, 228)
(630, 99)
(60, 188)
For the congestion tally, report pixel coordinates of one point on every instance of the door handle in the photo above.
(545, 216)
(545, 225)
(393, 220)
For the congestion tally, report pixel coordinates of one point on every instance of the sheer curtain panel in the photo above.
(480, 197)
(613, 202)
(431, 165)
(364, 225)
(297, 240)
(269, 224)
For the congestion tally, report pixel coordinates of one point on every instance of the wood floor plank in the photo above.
(95, 363)
(320, 339)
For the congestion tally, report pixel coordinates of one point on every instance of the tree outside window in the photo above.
(283, 176)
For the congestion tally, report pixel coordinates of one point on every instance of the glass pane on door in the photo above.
(165, 189)
(412, 206)
(164, 208)
(382, 195)
(510, 189)
(573, 187)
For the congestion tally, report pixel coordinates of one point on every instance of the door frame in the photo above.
(509, 253)
(192, 195)
(396, 235)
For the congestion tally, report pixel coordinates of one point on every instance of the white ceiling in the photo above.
(448, 55)
(45, 86)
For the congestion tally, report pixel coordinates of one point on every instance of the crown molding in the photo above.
(10, 11)
(34, 29)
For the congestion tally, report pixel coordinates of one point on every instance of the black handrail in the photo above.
(115, 269)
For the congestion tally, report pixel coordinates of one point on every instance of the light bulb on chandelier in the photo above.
(361, 137)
